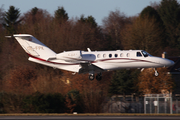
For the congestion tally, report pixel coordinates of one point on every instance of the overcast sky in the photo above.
(75, 8)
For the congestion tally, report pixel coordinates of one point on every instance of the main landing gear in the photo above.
(98, 77)
(91, 76)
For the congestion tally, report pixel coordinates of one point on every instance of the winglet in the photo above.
(89, 50)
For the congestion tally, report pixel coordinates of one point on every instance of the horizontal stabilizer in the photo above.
(8, 36)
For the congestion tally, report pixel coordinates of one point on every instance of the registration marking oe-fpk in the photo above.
(35, 48)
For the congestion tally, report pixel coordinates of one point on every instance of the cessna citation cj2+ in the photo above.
(91, 62)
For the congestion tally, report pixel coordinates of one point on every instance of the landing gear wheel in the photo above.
(91, 77)
(98, 77)
(156, 73)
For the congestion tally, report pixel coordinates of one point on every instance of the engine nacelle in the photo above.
(70, 55)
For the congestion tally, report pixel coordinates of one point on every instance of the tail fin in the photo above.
(34, 47)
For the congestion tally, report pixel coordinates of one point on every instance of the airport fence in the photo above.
(158, 103)
(123, 104)
(147, 104)
(176, 104)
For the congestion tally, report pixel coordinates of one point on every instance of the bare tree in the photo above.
(113, 25)
(143, 34)
(148, 83)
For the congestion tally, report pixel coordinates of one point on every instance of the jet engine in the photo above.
(70, 55)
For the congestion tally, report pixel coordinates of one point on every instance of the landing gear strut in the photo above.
(156, 72)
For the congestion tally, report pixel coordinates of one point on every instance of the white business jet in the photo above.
(91, 62)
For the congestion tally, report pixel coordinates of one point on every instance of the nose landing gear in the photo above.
(156, 72)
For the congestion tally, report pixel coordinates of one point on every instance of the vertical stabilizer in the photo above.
(34, 47)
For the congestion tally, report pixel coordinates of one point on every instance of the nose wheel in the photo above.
(156, 73)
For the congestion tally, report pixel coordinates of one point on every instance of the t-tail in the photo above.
(33, 47)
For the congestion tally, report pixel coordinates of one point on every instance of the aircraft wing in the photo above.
(88, 67)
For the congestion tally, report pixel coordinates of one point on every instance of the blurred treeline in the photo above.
(30, 87)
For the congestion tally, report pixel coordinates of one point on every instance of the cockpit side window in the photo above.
(145, 53)
(139, 54)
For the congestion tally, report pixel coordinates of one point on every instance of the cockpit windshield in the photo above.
(145, 54)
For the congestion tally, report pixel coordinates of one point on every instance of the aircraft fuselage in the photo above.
(106, 60)
(91, 62)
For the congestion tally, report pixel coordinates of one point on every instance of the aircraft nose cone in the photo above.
(172, 63)
(169, 63)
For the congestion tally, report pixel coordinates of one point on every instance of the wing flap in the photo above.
(88, 67)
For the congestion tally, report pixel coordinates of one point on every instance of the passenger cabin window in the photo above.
(116, 55)
(139, 54)
(98, 55)
(104, 55)
(110, 55)
(128, 55)
(121, 54)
